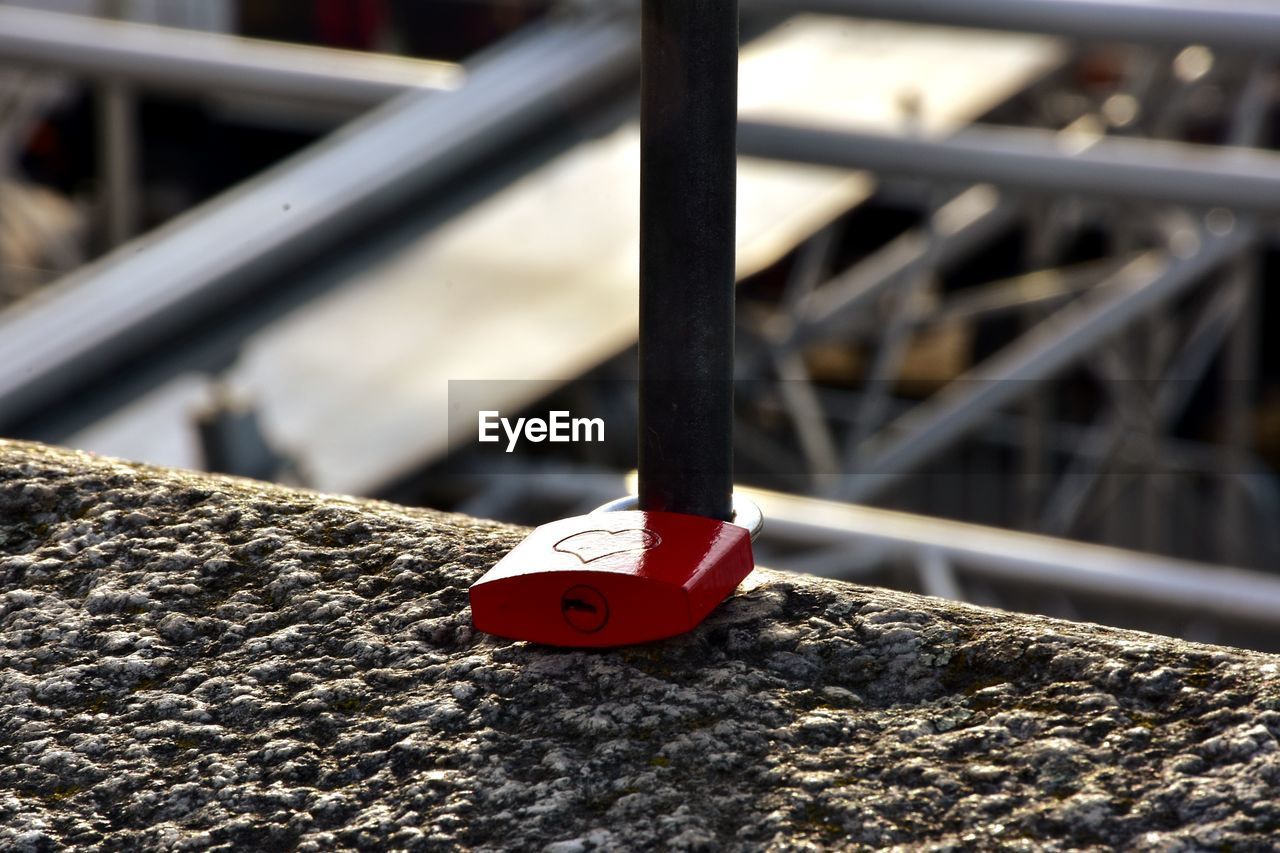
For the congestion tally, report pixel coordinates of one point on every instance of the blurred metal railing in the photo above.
(1040, 160)
(935, 544)
(120, 58)
(1218, 23)
(116, 307)
(1035, 169)
(172, 59)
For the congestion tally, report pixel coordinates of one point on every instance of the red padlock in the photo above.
(615, 577)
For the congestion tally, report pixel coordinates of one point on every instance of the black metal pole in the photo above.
(688, 118)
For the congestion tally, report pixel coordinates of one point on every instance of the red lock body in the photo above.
(612, 579)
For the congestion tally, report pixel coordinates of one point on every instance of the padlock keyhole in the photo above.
(584, 608)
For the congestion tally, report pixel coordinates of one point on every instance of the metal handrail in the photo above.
(174, 59)
(1237, 24)
(1025, 558)
(1040, 160)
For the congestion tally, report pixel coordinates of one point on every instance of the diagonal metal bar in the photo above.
(1003, 429)
(152, 288)
(812, 263)
(1241, 357)
(960, 227)
(807, 417)
(1045, 288)
(892, 345)
(1171, 399)
(1061, 340)
(799, 398)
(885, 365)
(1225, 309)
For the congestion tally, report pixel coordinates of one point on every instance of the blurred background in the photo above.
(1003, 272)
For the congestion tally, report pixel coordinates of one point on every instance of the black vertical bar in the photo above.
(688, 121)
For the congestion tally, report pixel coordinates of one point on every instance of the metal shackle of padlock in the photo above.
(616, 577)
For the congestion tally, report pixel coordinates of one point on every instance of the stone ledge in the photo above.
(191, 662)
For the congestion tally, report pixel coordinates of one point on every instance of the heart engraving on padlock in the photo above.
(591, 545)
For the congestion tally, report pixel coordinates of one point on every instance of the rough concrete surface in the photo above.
(191, 662)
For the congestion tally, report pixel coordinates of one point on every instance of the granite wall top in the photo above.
(196, 662)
